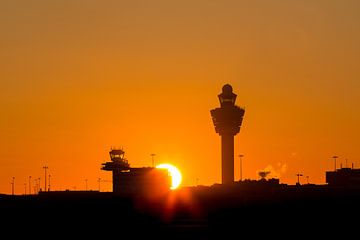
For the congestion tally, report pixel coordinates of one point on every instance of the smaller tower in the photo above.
(128, 180)
(117, 165)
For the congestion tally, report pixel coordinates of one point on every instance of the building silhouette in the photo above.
(343, 177)
(227, 120)
(128, 180)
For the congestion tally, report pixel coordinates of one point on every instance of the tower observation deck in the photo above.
(227, 120)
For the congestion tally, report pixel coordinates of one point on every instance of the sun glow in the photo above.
(175, 174)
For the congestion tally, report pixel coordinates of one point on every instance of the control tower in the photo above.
(227, 120)
(118, 165)
(128, 180)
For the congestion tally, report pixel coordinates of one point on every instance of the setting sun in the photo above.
(175, 174)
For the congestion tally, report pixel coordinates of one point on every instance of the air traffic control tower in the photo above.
(227, 120)
(129, 181)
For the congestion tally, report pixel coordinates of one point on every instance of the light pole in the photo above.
(13, 186)
(49, 183)
(335, 157)
(298, 175)
(241, 156)
(152, 159)
(35, 186)
(29, 185)
(45, 168)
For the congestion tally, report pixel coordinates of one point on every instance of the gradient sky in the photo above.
(78, 77)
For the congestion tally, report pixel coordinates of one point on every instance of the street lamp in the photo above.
(49, 183)
(335, 157)
(13, 186)
(298, 175)
(29, 185)
(45, 168)
(35, 186)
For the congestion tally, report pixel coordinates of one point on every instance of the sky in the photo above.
(79, 77)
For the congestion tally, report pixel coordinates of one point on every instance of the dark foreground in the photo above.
(236, 211)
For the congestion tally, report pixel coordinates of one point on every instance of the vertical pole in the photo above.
(13, 186)
(335, 157)
(35, 186)
(49, 182)
(45, 167)
(240, 169)
(298, 175)
(30, 185)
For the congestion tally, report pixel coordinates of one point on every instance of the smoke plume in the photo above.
(272, 172)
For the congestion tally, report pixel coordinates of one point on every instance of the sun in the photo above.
(175, 174)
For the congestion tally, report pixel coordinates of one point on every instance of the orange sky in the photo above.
(78, 77)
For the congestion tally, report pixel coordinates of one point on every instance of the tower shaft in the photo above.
(116, 180)
(227, 155)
